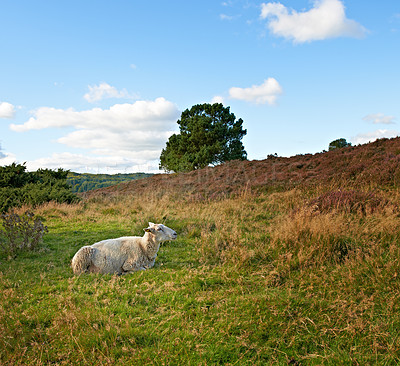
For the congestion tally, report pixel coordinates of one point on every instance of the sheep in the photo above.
(122, 255)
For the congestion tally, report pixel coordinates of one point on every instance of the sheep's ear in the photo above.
(150, 229)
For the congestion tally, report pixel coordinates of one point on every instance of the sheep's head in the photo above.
(161, 232)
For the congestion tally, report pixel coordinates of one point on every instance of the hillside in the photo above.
(303, 272)
(375, 163)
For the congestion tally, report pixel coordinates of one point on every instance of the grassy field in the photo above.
(302, 276)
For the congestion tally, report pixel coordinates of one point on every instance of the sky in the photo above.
(98, 86)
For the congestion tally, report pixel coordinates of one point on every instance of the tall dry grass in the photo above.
(284, 232)
(292, 229)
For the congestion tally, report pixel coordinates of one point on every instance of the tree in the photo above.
(338, 144)
(209, 135)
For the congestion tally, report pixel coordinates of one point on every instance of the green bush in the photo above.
(19, 187)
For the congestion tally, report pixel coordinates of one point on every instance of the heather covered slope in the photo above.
(375, 164)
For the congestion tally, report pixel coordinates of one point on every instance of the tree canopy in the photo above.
(83, 182)
(338, 144)
(209, 135)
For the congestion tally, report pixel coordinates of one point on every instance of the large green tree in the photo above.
(209, 135)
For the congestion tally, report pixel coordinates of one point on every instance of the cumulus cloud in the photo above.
(130, 144)
(105, 91)
(364, 138)
(94, 164)
(7, 110)
(267, 92)
(327, 19)
(119, 117)
(380, 118)
(135, 132)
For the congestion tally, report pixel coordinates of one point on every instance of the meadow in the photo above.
(287, 277)
(294, 275)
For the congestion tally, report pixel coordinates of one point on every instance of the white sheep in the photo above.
(123, 255)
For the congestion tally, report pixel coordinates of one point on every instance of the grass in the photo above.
(258, 279)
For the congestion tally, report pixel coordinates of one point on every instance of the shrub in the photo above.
(19, 187)
(20, 232)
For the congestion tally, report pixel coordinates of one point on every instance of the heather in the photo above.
(363, 167)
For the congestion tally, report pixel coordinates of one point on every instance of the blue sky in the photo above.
(97, 86)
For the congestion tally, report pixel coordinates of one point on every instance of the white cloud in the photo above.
(127, 134)
(7, 158)
(130, 144)
(7, 110)
(120, 117)
(363, 138)
(105, 91)
(217, 99)
(327, 19)
(380, 118)
(267, 92)
(94, 164)
(228, 17)
(225, 17)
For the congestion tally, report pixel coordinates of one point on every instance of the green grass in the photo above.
(255, 280)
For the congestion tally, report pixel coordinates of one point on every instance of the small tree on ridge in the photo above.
(338, 144)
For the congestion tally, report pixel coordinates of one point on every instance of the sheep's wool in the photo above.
(123, 255)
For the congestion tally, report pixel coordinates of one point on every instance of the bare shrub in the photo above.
(20, 232)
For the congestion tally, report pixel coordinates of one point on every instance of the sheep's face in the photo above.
(161, 232)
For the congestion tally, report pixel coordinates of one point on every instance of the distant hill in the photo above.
(374, 164)
(86, 182)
